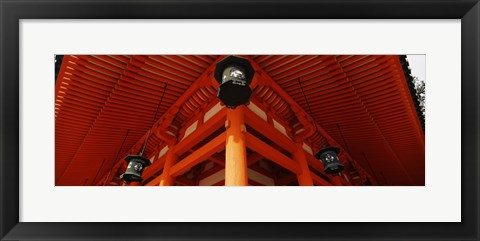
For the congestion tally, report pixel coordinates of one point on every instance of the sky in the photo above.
(417, 65)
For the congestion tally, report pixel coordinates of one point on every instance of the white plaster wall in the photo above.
(257, 111)
(208, 166)
(210, 113)
(163, 151)
(307, 148)
(220, 175)
(260, 178)
(190, 129)
(280, 128)
(208, 181)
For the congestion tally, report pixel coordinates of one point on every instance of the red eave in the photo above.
(363, 102)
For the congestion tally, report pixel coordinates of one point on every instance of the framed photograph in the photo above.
(114, 113)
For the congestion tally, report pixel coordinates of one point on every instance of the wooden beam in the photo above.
(210, 172)
(218, 158)
(197, 171)
(286, 180)
(254, 183)
(185, 181)
(155, 181)
(156, 167)
(345, 182)
(220, 183)
(269, 152)
(335, 180)
(199, 155)
(254, 158)
(319, 181)
(201, 132)
(268, 131)
(261, 170)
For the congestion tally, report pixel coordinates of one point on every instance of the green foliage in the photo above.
(420, 88)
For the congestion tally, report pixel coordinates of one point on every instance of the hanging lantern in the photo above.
(135, 167)
(329, 158)
(234, 75)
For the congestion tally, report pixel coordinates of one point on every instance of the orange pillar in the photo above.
(170, 160)
(235, 148)
(304, 178)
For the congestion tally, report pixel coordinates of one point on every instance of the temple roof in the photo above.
(105, 104)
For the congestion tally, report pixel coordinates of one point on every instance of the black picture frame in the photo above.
(12, 11)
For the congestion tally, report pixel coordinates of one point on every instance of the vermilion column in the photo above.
(170, 160)
(235, 149)
(304, 178)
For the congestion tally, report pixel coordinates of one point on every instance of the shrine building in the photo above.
(243, 120)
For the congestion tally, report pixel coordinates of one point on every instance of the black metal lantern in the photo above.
(234, 75)
(329, 158)
(135, 167)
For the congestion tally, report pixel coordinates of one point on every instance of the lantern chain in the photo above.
(308, 105)
(118, 153)
(154, 118)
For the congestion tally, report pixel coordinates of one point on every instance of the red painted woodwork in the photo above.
(360, 103)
